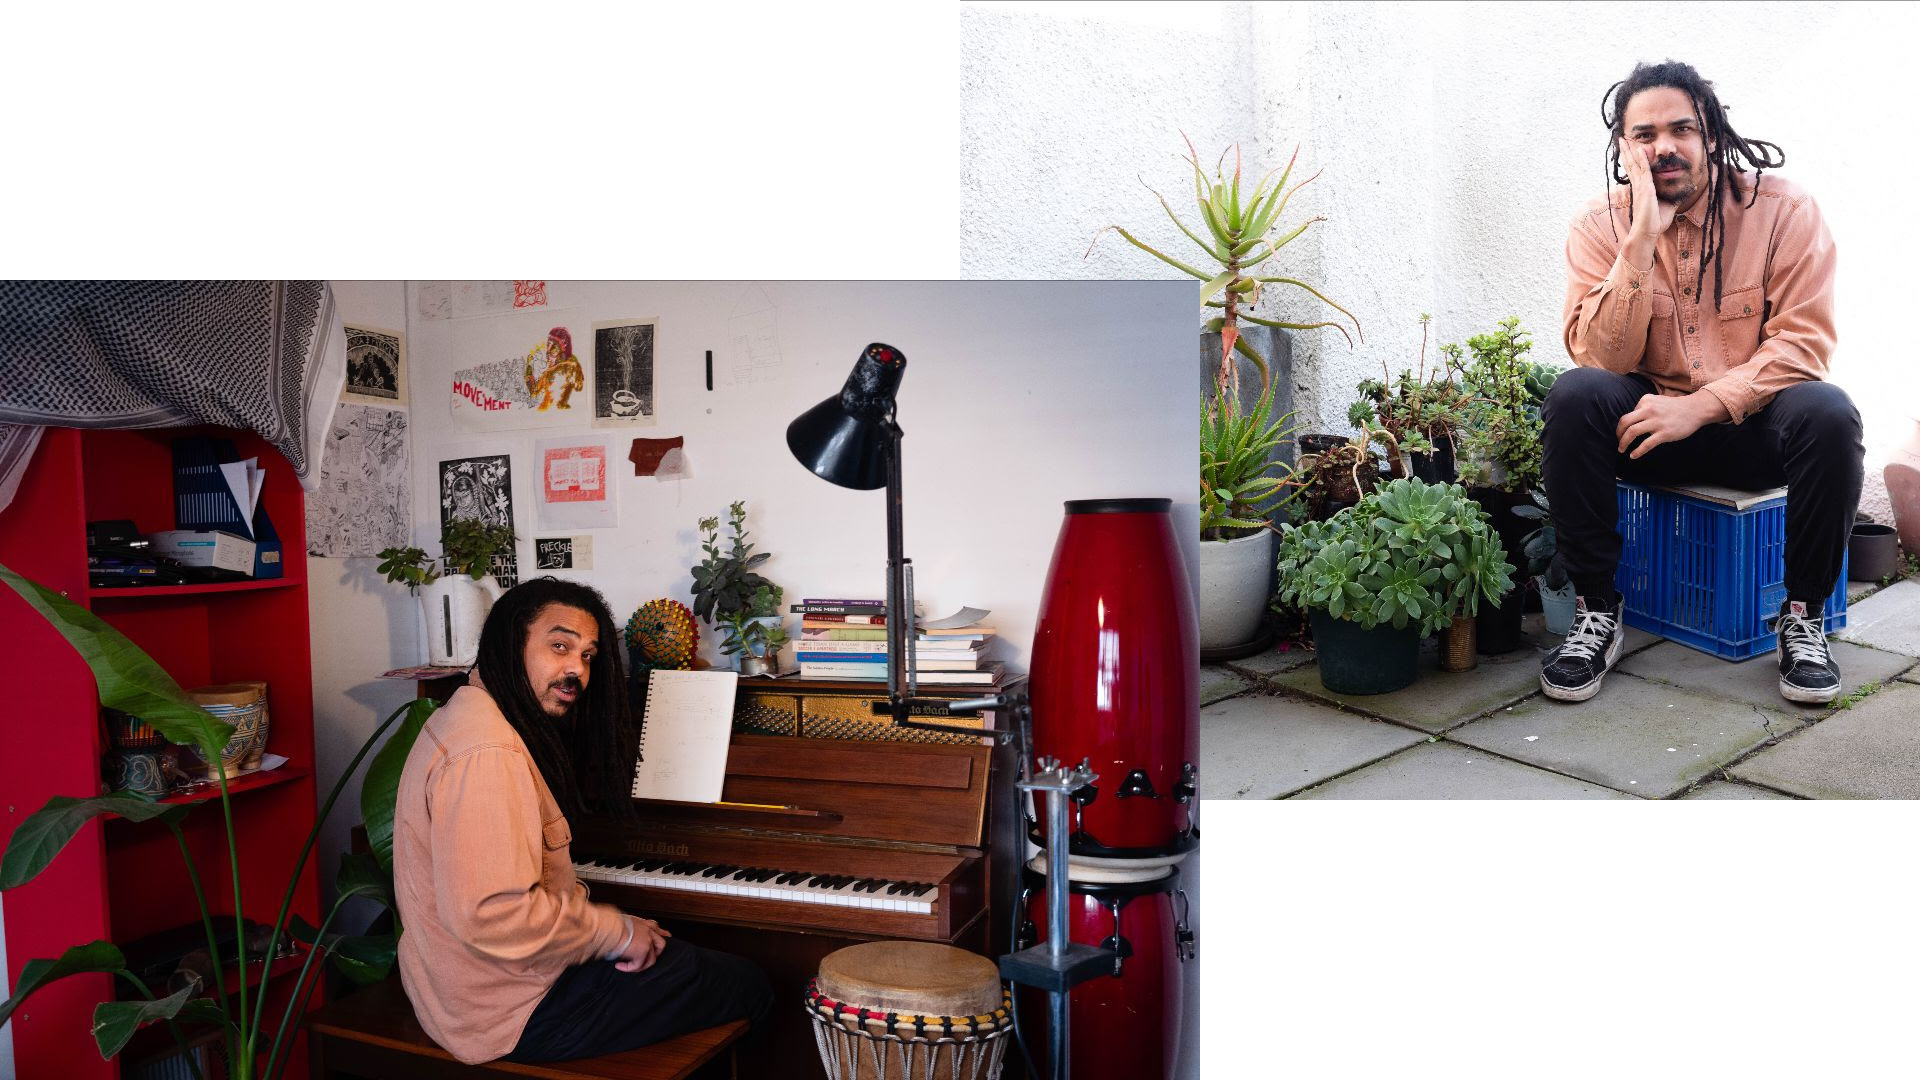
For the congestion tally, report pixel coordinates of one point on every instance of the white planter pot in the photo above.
(456, 609)
(1236, 581)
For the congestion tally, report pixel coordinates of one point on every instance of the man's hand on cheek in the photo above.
(1665, 420)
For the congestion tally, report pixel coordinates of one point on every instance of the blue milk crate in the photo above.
(1704, 566)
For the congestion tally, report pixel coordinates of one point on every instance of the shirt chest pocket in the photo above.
(1660, 332)
(556, 841)
(1741, 317)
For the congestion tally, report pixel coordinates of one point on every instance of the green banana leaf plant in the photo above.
(1241, 231)
(129, 680)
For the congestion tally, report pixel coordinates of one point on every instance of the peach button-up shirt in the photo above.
(1774, 326)
(483, 873)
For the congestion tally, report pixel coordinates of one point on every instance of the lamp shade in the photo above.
(844, 438)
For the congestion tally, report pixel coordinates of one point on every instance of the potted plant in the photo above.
(454, 599)
(730, 595)
(1239, 488)
(1421, 410)
(1501, 452)
(1403, 561)
(1336, 474)
(1239, 232)
(1541, 548)
(255, 1043)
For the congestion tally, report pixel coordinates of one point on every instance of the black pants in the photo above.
(1807, 437)
(594, 1008)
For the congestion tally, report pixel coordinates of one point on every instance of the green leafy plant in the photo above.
(1410, 553)
(1542, 544)
(409, 566)
(728, 593)
(1418, 408)
(1238, 487)
(129, 680)
(1859, 694)
(469, 544)
(1501, 443)
(1240, 231)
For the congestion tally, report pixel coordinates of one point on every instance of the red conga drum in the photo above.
(1124, 1026)
(1115, 658)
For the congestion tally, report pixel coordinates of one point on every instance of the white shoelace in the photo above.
(1804, 640)
(1589, 634)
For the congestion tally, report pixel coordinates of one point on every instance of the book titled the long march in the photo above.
(684, 735)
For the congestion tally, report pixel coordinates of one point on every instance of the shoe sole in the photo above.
(1583, 693)
(1807, 697)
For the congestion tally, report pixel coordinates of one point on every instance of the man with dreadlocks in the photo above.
(1699, 315)
(503, 953)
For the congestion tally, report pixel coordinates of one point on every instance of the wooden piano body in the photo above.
(909, 822)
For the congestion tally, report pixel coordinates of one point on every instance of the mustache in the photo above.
(568, 683)
(1669, 163)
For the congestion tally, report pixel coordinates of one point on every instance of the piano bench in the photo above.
(373, 1034)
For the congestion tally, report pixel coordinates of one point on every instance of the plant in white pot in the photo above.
(455, 600)
(731, 596)
(1240, 486)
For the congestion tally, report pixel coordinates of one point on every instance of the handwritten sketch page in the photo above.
(753, 328)
(684, 735)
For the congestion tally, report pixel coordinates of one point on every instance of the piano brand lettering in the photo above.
(480, 397)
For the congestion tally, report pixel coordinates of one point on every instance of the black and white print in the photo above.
(376, 367)
(363, 503)
(623, 372)
(481, 489)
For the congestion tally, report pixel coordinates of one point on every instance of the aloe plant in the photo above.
(129, 680)
(1240, 232)
(1237, 488)
(1410, 553)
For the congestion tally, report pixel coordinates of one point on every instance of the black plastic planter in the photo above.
(1873, 552)
(1437, 467)
(1498, 628)
(1356, 661)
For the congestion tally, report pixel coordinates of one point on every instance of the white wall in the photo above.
(1017, 396)
(360, 626)
(1457, 141)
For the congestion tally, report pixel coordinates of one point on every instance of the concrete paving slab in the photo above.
(1868, 751)
(1274, 661)
(1259, 746)
(1438, 700)
(1757, 681)
(1912, 674)
(1443, 770)
(1218, 683)
(1889, 619)
(1636, 736)
(1722, 790)
(1860, 590)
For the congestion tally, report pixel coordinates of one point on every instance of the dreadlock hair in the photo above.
(1725, 149)
(587, 758)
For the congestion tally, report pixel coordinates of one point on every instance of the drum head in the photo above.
(916, 977)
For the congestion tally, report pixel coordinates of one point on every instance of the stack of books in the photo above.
(847, 639)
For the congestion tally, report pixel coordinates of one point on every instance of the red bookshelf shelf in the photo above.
(143, 592)
(236, 785)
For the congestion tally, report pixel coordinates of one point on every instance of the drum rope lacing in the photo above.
(976, 1052)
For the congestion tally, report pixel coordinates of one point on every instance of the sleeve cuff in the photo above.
(1732, 397)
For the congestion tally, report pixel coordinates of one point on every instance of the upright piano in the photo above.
(817, 844)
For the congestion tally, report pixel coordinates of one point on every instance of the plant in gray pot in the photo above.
(1500, 452)
(1240, 486)
(1402, 562)
(1541, 549)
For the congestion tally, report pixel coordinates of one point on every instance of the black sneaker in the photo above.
(1807, 671)
(1573, 669)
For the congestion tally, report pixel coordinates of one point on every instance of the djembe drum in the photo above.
(909, 1010)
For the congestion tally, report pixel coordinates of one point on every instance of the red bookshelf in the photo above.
(120, 880)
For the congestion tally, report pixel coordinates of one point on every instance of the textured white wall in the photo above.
(360, 626)
(1457, 141)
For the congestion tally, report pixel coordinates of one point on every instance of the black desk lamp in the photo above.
(851, 440)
